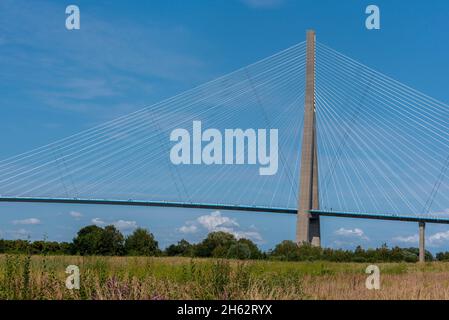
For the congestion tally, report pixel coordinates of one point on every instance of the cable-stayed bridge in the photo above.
(353, 142)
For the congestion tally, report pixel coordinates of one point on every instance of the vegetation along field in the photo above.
(43, 277)
(220, 266)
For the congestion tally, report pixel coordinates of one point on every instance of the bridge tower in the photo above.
(308, 226)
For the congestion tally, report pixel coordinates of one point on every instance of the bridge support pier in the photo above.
(308, 226)
(422, 248)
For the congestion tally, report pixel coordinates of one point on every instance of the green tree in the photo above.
(442, 256)
(87, 241)
(307, 252)
(255, 252)
(141, 242)
(216, 244)
(239, 250)
(182, 248)
(286, 250)
(111, 242)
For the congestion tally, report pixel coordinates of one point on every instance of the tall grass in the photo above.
(43, 277)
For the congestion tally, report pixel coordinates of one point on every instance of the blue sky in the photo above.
(131, 54)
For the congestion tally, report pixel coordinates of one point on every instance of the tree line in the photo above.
(109, 241)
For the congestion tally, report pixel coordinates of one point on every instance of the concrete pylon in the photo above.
(308, 227)
(422, 248)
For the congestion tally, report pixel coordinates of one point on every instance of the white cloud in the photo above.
(407, 239)
(264, 4)
(215, 222)
(27, 221)
(98, 222)
(358, 233)
(124, 225)
(433, 240)
(438, 238)
(252, 235)
(188, 229)
(75, 214)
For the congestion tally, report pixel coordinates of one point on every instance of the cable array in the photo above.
(383, 146)
(129, 157)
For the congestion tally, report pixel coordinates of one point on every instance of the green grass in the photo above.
(43, 277)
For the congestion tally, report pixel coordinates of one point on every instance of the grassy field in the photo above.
(43, 277)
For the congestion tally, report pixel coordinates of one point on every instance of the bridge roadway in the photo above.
(421, 220)
(228, 207)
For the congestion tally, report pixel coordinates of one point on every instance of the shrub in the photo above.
(216, 244)
(141, 242)
(239, 250)
(182, 248)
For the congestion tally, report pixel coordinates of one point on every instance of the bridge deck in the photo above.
(168, 204)
(141, 203)
(376, 216)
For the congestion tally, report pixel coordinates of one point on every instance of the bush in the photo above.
(93, 240)
(286, 250)
(111, 242)
(442, 256)
(239, 250)
(141, 242)
(87, 241)
(216, 244)
(254, 251)
(183, 248)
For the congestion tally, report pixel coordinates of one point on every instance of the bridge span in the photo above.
(228, 207)
(421, 220)
(368, 143)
